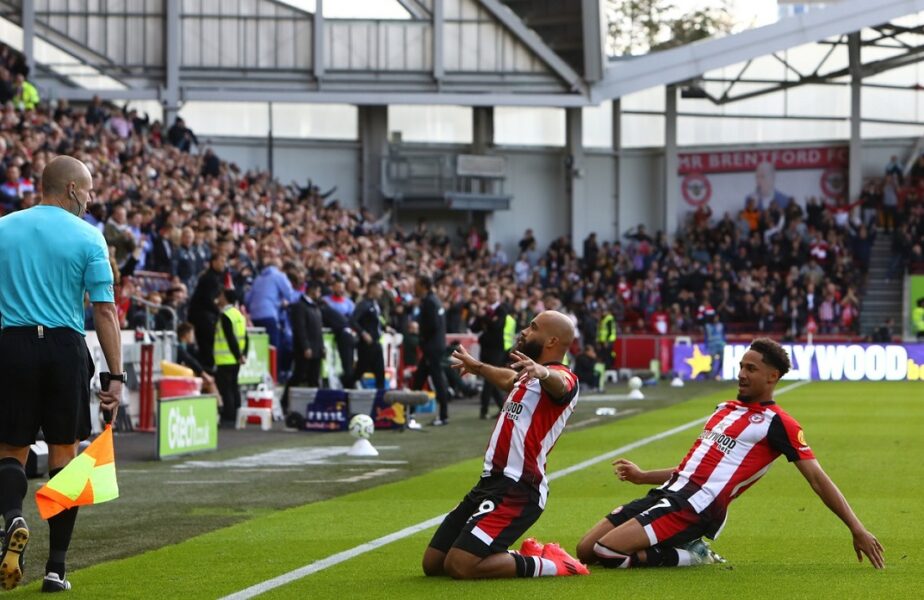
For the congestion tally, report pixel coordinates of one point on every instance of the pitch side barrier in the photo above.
(647, 351)
(819, 361)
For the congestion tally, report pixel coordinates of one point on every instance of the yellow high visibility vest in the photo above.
(510, 332)
(223, 354)
(917, 317)
(606, 330)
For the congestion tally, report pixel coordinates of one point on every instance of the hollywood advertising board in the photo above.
(815, 362)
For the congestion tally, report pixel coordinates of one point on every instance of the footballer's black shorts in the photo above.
(44, 383)
(492, 516)
(666, 518)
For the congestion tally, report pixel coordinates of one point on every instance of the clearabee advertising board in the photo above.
(186, 425)
(258, 364)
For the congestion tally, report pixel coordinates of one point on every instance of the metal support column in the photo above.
(373, 139)
(482, 129)
(317, 53)
(574, 177)
(28, 36)
(616, 145)
(438, 69)
(855, 174)
(172, 56)
(671, 205)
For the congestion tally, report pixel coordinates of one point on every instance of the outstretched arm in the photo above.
(628, 471)
(864, 542)
(500, 377)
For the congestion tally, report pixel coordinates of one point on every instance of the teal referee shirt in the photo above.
(48, 259)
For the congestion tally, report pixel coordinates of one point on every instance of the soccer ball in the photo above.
(635, 383)
(362, 427)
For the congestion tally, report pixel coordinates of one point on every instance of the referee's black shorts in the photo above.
(492, 516)
(44, 383)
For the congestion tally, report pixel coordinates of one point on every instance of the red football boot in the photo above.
(531, 547)
(565, 564)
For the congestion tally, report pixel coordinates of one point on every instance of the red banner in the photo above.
(747, 160)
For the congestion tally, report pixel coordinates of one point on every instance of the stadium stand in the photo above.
(165, 210)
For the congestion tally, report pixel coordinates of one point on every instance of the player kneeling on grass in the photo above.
(739, 442)
(472, 541)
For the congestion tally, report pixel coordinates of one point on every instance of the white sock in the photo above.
(546, 568)
(684, 558)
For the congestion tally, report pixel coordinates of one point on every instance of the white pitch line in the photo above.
(204, 482)
(336, 559)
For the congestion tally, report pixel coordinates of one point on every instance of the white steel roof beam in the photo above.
(692, 60)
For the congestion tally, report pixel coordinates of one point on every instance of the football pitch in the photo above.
(780, 540)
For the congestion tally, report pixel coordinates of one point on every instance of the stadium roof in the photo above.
(465, 52)
(691, 61)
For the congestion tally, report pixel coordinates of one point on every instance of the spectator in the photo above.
(25, 96)
(883, 333)
(367, 321)
(338, 299)
(917, 319)
(890, 202)
(203, 310)
(307, 340)
(186, 352)
(345, 339)
(181, 136)
(895, 169)
(269, 295)
(433, 344)
(231, 346)
(119, 235)
(585, 367)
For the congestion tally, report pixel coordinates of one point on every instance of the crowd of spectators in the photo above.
(898, 203)
(172, 210)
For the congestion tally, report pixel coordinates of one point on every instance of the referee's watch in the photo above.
(123, 376)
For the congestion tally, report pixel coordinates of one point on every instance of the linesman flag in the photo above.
(88, 479)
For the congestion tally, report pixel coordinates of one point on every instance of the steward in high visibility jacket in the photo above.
(231, 347)
(917, 318)
(606, 338)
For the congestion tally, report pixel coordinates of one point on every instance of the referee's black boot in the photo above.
(54, 583)
(14, 545)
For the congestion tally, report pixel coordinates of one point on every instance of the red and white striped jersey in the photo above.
(735, 449)
(526, 431)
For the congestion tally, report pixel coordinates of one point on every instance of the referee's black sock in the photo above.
(13, 487)
(60, 529)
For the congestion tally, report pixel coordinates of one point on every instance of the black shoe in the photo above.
(14, 545)
(54, 583)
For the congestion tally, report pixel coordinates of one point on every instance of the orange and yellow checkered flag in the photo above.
(88, 479)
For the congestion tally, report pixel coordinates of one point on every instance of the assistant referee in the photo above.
(49, 259)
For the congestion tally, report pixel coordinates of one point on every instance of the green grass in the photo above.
(780, 540)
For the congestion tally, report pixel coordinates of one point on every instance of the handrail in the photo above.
(148, 306)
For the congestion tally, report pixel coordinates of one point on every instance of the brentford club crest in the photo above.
(756, 418)
(696, 189)
(834, 182)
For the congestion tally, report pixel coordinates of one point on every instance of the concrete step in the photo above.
(883, 307)
(884, 289)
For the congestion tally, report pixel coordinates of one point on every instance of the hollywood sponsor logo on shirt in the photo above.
(721, 441)
(512, 410)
